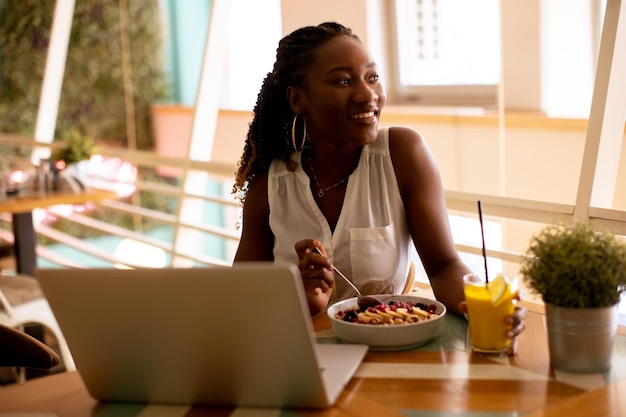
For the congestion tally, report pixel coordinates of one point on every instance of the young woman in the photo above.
(317, 172)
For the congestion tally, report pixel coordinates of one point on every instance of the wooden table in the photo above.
(21, 207)
(441, 379)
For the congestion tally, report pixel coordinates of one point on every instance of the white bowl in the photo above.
(387, 337)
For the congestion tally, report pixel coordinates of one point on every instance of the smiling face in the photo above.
(342, 96)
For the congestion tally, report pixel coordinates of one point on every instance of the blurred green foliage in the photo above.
(77, 147)
(92, 98)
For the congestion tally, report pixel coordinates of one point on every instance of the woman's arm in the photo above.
(257, 244)
(257, 240)
(421, 189)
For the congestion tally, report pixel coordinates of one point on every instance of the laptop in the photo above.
(239, 336)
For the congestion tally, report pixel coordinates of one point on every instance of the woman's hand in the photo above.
(317, 274)
(515, 321)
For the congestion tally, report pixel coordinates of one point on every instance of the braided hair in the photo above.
(269, 133)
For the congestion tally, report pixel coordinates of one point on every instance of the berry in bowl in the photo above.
(398, 322)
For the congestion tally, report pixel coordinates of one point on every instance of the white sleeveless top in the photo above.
(371, 241)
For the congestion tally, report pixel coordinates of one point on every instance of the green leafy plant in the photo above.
(77, 147)
(576, 266)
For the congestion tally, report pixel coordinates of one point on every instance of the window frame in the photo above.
(482, 95)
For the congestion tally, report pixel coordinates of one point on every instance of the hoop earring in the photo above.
(293, 133)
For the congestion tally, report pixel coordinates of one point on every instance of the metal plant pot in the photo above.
(581, 340)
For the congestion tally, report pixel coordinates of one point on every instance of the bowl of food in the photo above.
(398, 322)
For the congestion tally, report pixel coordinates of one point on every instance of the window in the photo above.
(448, 51)
(254, 31)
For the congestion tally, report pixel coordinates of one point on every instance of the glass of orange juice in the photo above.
(487, 308)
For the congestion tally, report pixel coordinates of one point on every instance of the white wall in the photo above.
(351, 13)
(539, 163)
(542, 160)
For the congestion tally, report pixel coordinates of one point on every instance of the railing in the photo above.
(162, 203)
(149, 185)
(185, 244)
(131, 217)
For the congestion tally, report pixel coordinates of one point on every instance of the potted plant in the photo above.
(76, 147)
(580, 273)
(68, 161)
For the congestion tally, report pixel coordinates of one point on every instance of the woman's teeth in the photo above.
(363, 115)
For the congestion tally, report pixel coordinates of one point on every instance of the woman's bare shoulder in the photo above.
(257, 189)
(404, 135)
(413, 162)
(256, 240)
(408, 147)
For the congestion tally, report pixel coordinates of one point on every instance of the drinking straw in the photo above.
(482, 233)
